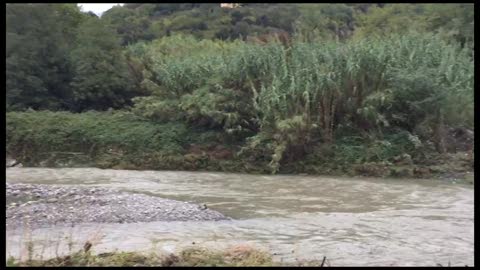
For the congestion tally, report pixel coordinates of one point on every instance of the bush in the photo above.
(32, 134)
(286, 98)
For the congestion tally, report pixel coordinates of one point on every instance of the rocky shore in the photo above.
(46, 205)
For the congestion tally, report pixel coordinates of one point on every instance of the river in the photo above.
(351, 221)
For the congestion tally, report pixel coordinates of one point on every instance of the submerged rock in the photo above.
(404, 159)
(402, 171)
(10, 162)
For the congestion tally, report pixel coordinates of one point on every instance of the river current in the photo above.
(351, 221)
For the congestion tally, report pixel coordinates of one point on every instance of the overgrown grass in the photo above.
(113, 140)
(35, 135)
(60, 130)
(240, 255)
(236, 256)
(286, 98)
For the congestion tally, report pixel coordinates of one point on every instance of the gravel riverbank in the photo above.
(45, 205)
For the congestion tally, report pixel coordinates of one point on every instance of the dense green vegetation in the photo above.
(106, 139)
(314, 88)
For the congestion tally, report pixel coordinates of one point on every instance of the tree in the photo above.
(101, 77)
(130, 26)
(39, 37)
(453, 21)
(325, 21)
(392, 18)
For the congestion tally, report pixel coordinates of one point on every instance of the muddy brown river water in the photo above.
(351, 221)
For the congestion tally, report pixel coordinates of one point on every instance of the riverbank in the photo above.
(454, 167)
(240, 255)
(122, 140)
(46, 205)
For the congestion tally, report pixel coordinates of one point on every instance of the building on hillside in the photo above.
(229, 5)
